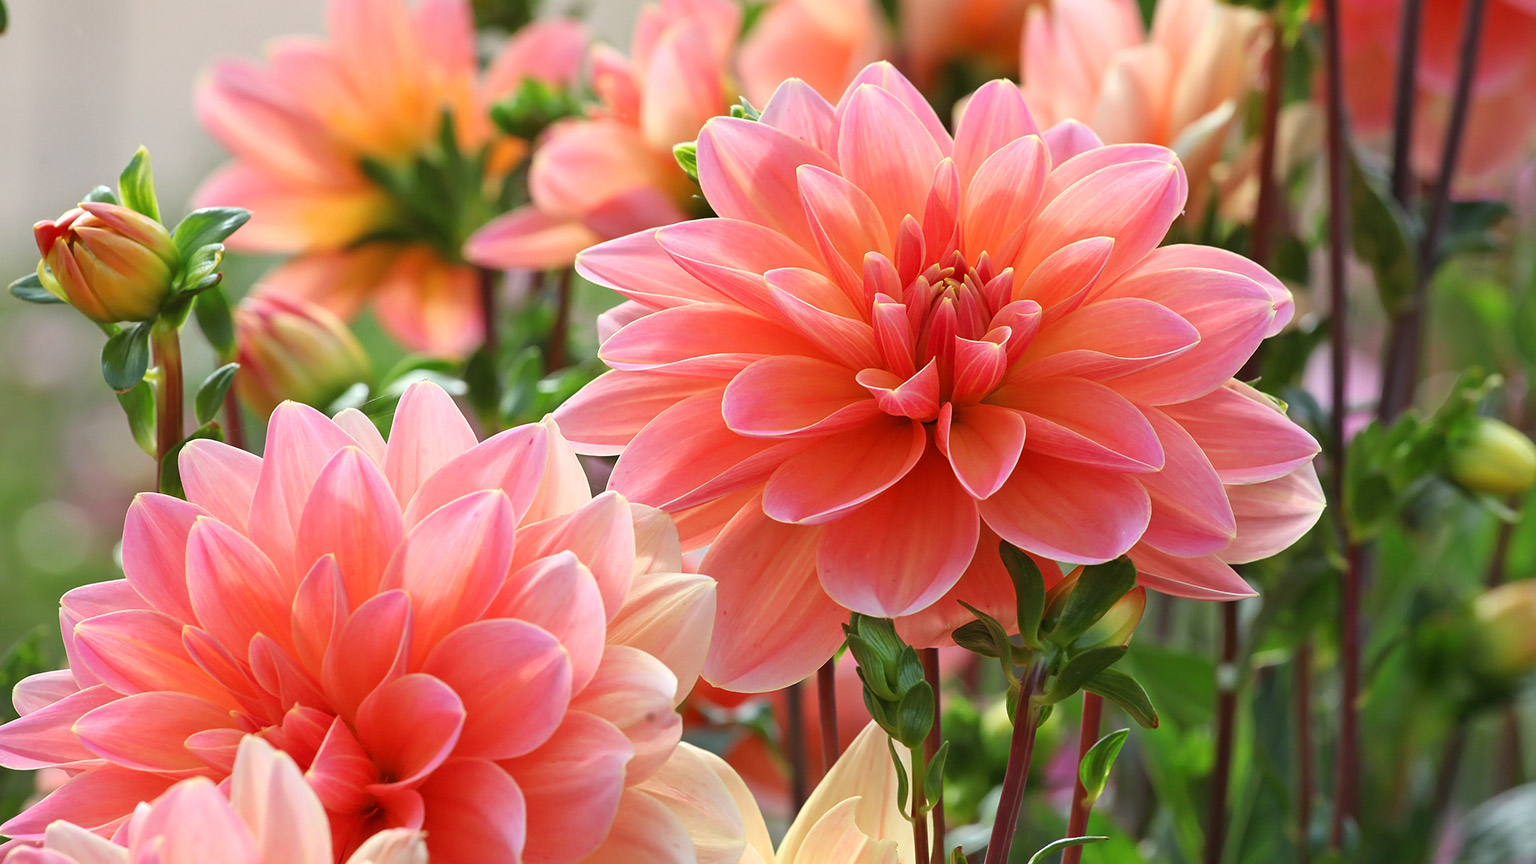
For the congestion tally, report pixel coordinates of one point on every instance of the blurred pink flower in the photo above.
(270, 817)
(823, 42)
(1180, 86)
(446, 635)
(612, 172)
(832, 383)
(1501, 126)
(937, 33)
(301, 125)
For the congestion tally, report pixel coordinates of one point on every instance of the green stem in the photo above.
(165, 343)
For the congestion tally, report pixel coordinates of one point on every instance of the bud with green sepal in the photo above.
(1491, 457)
(1504, 632)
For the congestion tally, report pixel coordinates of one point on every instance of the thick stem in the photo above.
(1445, 775)
(794, 747)
(1020, 750)
(234, 421)
(165, 344)
(1087, 736)
(826, 704)
(557, 352)
(1302, 684)
(931, 746)
(1265, 210)
(1402, 100)
(490, 321)
(1226, 726)
(919, 804)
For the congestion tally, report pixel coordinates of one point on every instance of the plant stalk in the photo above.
(557, 351)
(234, 421)
(794, 746)
(1402, 100)
(919, 804)
(931, 746)
(170, 395)
(826, 704)
(1020, 750)
(1226, 726)
(1302, 684)
(1274, 94)
(1088, 735)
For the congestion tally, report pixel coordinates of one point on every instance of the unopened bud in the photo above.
(1493, 457)
(293, 349)
(1114, 627)
(1506, 630)
(110, 262)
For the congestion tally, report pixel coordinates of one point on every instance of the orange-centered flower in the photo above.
(895, 346)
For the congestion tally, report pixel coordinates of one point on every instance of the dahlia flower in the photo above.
(302, 125)
(270, 817)
(447, 636)
(894, 347)
(1501, 124)
(612, 172)
(1179, 86)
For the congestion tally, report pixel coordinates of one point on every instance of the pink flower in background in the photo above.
(301, 125)
(270, 817)
(447, 636)
(1180, 86)
(1501, 125)
(824, 42)
(939, 33)
(894, 347)
(612, 172)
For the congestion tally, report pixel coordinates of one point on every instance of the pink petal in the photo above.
(96, 799)
(70, 844)
(682, 85)
(193, 822)
(512, 461)
(1092, 161)
(140, 650)
(353, 515)
(1002, 197)
(428, 433)
(36, 692)
(1209, 257)
(572, 784)
(235, 590)
(1104, 340)
(147, 730)
(514, 679)
(883, 75)
(795, 396)
(341, 770)
(529, 239)
(1203, 578)
(559, 594)
(1069, 138)
(283, 816)
(774, 624)
(300, 441)
(731, 257)
(320, 609)
(845, 222)
(885, 150)
(995, 116)
(45, 737)
(797, 109)
(604, 416)
(638, 268)
(635, 692)
(701, 341)
(848, 341)
(1067, 511)
(1133, 203)
(361, 428)
(429, 304)
(409, 726)
(645, 832)
(1274, 514)
(985, 585)
(475, 814)
(1065, 276)
(1190, 513)
(1090, 424)
(669, 616)
(601, 534)
(870, 563)
(843, 469)
(916, 397)
(563, 486)
(658, 548)
(747, 171)
(219, 478)
(155, 551)
(983, 443)
(1244, 434)
(369, 650)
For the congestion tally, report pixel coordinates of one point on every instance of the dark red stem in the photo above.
(794, 747)
(1087, 736)
(931, 746)
(1020, 750)
(826, 704)
(1226, 726)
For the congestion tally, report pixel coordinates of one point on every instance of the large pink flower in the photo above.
(301, 125)
(447, 635)
(895, 346)
(611, 173)
(1501, 127)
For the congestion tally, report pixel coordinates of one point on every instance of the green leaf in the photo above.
(957, 856)
(901, 777)
(200, 267)
(687, 156)
(213, 318)
(744, 110)
(170, 472)
(1123, 690)
(1028, 588)
(871, 669)
(207, 226)
(136, 185)
(933, 784)
(997, 637)
(210, 395)
(125, 357)
(1097, 589)
(880, 634)
(139, 405)
(976, 637)
(1382, 235)
(101, 194)
(5, 17)
(1063, 843)
(1081, 669)
(1469, 227)
(914, 715)
(30, 288)
(1093, 771)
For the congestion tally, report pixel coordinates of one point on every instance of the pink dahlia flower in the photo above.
(270, 817)
(301, 125)
(1179, 86)
(612, 172)
(894, 347)
(1501, 126)
(447, 636)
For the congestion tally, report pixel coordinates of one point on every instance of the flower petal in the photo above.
(843, 469)
(572, 786)
(1067, 511)
(795, 396)
(983, 443)
(515, 682)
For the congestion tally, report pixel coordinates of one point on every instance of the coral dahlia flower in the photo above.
(301, 126)
(446, 636)
(270, 817)
(894, 347)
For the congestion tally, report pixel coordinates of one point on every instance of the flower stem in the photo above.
(165, 344)
(1402, 100)
(919, 804)
(1347, 780)
(1088, 735)
(557, 351)
(1274, 94)
(794, 747)
(1020, 750)
(234, 422)
(826, 703)
(1226, 725)
(931, 746)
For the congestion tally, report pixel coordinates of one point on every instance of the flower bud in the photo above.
(1493, 457)
(110, 262)
(293, 349)
(1506, 630)
(1114, 627)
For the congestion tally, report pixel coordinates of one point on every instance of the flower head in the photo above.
(270, 817)
(447, 636)
(293, 349)
(109, 261)
(894, 347)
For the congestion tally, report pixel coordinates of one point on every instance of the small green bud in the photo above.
(1492, 457)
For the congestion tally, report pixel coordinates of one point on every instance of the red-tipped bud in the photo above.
(292, 349)
(110, 262)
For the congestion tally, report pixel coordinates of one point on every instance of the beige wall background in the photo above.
(85, 82)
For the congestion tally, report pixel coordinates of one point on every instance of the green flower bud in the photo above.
(1492, 457)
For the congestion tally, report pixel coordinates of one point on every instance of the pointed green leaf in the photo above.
(125, 357)
(687, 156)
(1097, 589)
(213, 317)
(976, 637)
(1383, 235)
(210, 395)
(901, 777)
(914, 715)
(1100, 758)
(30, 288)
(1028, 588)
(139, 405)
(957, 856)
(1063, 843)
(933, 784)
(1123, 690)
(207, 226)
(136, 185)
(1081, 669)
